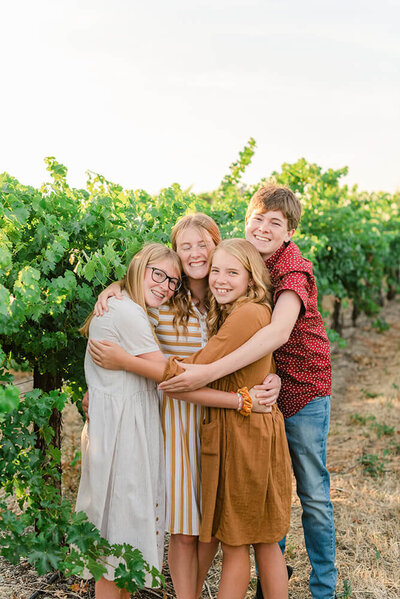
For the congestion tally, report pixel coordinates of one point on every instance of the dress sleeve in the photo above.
(242, 324)
(133, 328)
(154, 316)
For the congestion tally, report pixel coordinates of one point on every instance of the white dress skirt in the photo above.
(122, 484)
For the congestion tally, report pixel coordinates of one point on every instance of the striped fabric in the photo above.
(181, 425)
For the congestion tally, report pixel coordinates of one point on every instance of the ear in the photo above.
(251, 283)
(290, 234)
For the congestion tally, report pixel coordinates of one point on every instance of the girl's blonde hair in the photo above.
(181, 301)
(258, 291)
(133, 282)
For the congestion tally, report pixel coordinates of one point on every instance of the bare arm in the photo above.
(263, 342)
(112, 356)
(152, 365)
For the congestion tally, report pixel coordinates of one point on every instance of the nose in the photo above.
(164, 285)
(264, 227)
(195, 253)
(220, 279)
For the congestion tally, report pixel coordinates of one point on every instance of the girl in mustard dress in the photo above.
(246, 473)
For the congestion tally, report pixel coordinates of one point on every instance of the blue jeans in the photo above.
(307, 433)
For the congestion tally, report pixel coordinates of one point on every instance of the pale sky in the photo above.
(153, 92)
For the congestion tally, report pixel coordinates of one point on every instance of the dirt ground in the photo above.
(364, 461)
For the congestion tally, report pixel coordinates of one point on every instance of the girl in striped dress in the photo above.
(181, 329)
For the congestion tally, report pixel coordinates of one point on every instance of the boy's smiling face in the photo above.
(267, 231)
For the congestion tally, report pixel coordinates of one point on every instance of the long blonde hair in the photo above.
(181, 301)
(259, 290)
(133, 282)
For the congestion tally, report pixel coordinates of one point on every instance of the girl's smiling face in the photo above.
(156, 293)
(229, 280)
(193, 247)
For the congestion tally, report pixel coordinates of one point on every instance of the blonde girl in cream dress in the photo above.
(122, 485)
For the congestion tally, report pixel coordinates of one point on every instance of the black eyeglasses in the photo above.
(159, 276)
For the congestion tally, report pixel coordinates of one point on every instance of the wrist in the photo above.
(237, 403)
(212, 372)
(125, 362)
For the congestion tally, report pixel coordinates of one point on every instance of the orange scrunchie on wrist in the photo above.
(247, 401)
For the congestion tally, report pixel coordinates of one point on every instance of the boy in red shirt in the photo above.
(301, 350)
(303, 363)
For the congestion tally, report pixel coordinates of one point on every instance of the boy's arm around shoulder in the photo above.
(240, 334)
(263, 342)
(274, 335)
(240, 325)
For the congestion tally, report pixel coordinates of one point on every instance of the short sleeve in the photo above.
(296, 281)
(132, 327)
(242, 324)
(154, 316)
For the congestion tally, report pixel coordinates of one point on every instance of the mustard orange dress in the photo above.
(245, 462)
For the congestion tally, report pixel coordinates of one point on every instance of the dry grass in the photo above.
(365, 425)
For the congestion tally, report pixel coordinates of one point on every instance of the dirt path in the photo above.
(364, 461)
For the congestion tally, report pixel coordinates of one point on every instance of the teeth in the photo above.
(222, 290)
(261, 238)
(159, 295)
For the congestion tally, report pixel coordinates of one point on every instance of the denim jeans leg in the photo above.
(307, 433)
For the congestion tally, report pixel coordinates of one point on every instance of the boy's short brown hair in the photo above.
(276, 197)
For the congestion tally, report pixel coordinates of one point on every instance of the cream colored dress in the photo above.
(122, 484)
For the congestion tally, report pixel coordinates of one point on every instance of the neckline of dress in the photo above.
(197, 311)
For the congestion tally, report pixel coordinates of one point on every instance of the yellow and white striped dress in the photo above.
(181, 425)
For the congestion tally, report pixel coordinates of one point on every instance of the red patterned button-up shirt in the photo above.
(303, 363)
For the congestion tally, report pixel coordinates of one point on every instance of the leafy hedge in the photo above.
(60, 246)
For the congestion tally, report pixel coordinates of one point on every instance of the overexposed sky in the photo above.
(153, 92)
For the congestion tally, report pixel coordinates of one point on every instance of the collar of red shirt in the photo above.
(272, 260)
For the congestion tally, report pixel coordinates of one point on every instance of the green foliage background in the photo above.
(60, 246)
